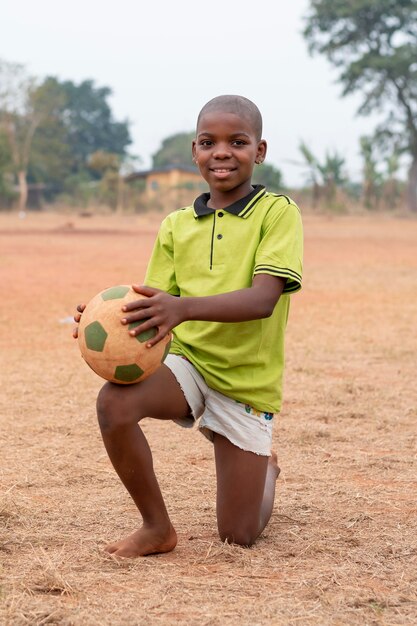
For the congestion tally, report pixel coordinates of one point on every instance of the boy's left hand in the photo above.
(158, 308)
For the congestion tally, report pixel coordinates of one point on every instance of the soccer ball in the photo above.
(106, 345)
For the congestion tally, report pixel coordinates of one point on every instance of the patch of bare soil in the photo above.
(341, 546)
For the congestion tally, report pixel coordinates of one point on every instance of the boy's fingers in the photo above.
(75, 333)
(136, 304)
(145, 324)
(160, 335)
(148, 323)
(145, 291)
(141, 324)
(138, 316)
(81, 307)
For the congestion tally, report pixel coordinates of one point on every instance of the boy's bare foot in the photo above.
(273, 463)
(144, 541)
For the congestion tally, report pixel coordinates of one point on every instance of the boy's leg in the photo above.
(245, 491)
(119, 409)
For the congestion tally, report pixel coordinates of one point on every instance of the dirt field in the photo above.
(341, 548)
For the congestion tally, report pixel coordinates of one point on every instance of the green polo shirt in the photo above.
(203, 252)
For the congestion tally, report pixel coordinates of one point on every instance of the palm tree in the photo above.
(326, 176)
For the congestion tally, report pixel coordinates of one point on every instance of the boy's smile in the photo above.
(226, 149)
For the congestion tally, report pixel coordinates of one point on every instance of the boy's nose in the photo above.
(222, 152)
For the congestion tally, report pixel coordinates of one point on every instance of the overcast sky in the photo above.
(164, 59)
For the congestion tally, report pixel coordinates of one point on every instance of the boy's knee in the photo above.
(113, 408)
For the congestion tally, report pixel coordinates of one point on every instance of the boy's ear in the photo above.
(193, 151)
(261, 152)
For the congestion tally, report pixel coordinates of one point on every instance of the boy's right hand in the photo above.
(77, 317)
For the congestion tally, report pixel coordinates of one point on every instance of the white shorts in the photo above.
(244, 426)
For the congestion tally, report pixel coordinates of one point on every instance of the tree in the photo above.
(380, 174)
(392, 186)
(6, 191)
(175, 150)
(325, 177)
(372, 178)
(374, 43)
(88, 120)
(23, 106)
(52, 128)
(108, 164)
(82, 125)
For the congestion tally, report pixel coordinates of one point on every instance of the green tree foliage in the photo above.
(392, 185)
(175, 150)
(380, 174)
(374, 44)
(269, 176)
(324, 177)
(110, 187)
(372, 178)
(52, 128)
(23, 108)
(50, 159)
(6, 191)
(89, 123)
(80, 126)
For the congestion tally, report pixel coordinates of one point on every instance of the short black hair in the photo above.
(239, 105)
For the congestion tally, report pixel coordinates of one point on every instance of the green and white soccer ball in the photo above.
(106, 345)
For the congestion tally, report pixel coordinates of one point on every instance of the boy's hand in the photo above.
(77, 317)
(158, 308)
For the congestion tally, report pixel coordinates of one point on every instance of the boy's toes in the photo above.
(111, 548)
(273, 461)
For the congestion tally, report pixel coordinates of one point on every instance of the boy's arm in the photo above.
(166, 311)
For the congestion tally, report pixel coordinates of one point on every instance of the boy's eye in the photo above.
(206, 142)
(239, 142)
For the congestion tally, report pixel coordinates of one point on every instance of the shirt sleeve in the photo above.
(160, 273)
(280, 251)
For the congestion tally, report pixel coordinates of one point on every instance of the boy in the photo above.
(220, 276)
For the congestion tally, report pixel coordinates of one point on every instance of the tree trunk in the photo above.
(316, 194)
(412, 186)
(120, 194)
(23, 190)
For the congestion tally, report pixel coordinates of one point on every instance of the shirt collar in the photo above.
(241, 207)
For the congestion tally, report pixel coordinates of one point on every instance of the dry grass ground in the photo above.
(341, 548)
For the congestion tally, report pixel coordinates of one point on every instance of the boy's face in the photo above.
(226, 149)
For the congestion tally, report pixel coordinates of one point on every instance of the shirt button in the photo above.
(219, 236)
(220, 214)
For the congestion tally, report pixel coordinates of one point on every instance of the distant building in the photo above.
(168, 187)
